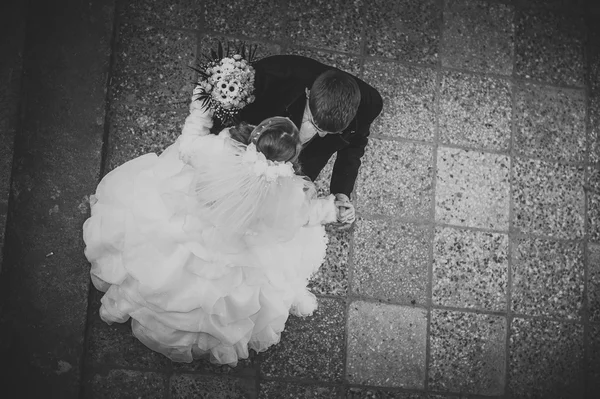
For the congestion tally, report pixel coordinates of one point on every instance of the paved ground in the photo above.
(474, 268)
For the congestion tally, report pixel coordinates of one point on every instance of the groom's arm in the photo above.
(348, 161)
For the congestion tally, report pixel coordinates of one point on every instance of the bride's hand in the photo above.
(345, 211)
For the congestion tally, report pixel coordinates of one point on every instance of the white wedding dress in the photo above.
(189, 287)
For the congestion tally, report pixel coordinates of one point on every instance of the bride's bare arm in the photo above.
(197, 124)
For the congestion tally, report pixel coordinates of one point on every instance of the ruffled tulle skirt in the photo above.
(187, 292)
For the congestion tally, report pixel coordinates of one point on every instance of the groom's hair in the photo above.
(334, 99)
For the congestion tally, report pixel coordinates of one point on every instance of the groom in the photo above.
(332, 109)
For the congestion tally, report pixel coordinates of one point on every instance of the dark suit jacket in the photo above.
(280, 84)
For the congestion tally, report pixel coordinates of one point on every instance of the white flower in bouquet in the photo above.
(226, 81)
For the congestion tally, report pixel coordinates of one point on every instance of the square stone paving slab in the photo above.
(280, 390)
(386, 345)
(475, 111)
(408, 99)
(548, 198)
(372, 393)
(478, 36)
(245, 368)
(391, 261)
(594, 127)
(126, 384)
(592, 188)
(185, 14)
(593, 287)
(253, 18)
(550, 123)
(467, 352)
(310, 348)
(345, 62)
(547, 278)
(395, 179)
(115, 346)
(185, 386)
(332, 276)
(407, 30)
(333, 24)
(210, 42)
(470, 269)
(472, 188)
(152, 65)
(137, 130)
(549, 47)
(545, 359)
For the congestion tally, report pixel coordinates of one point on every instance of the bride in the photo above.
(209, 246)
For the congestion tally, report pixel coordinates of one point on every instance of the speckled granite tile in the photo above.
(550, 123)
(185, 386)
(126, 384)
(548, 198)
(185, 14)
(467, 352)
(386, 345)
(549, 47)
(593, 288)
(391, 261)
(332, 277)
(116, 346)
(545, 359)
(472, 188)
(371, 393)
(209, 42)
(138, 130)
(593, 202)
(593, 361)
(345, 62)
(152, 65)
(311, 347)
(478, 36)
(475, 111)
(547, 278)
(408, 100)
(594, 128)
(407, 30)
(245, 368)
(333, 24)
(395, 179)
(470, 269)
(252, 18)
(280, 390)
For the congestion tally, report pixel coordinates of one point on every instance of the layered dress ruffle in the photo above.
(189, 289)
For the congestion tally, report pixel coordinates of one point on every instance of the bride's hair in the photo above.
(277, 138)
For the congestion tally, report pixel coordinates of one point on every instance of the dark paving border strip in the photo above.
(12, 32)
(45, 280)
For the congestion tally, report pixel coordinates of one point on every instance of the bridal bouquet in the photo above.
(226, 81)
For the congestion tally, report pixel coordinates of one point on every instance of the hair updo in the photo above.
(277, 138)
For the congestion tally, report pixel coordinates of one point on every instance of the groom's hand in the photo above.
(346, 213)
